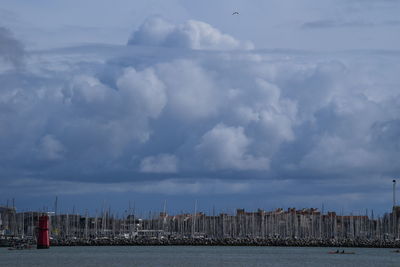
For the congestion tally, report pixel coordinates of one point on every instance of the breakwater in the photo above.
(229, 242)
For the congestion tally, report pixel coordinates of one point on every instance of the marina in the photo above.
(199, 133)
(291, 227)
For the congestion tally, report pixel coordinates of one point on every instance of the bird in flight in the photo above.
(235, 13)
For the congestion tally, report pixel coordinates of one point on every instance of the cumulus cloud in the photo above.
(163, 163)
(226, 147)
(144, 90)
(127, 113)
(332, 153)
(114, 117)
(154, 31)
(193, 34)
(194, 95)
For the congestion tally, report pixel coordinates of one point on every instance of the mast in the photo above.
(394, 211)
(56, 214)
(164, 222)
(394, 193)
(194, 219)
(86, 224)
(23, 225)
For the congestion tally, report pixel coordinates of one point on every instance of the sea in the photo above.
(197, 256)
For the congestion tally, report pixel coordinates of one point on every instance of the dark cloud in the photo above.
(11, 50)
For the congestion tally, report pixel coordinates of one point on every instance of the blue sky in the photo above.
(289, 104)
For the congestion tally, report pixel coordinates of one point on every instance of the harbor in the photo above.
(291, 227)
(308, 227)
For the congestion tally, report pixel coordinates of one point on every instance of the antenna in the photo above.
(394, 193)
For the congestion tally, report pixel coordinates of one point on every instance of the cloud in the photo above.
(226, 147)
(335, 24)
(332, 153)
(142, 118)
(144, 89)
(36, 187)
(340, 194)
(194, 95)
(323, 24)
(11, 50)
(118, 116)
(162, 163)
(50, 148)
(154, 31)
(196, 35)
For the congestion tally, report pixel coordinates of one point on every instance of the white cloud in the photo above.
(332, 153)
(163, 163)
(50, 148)
(191, 90)
(154, 31)
(143, 90)
(87, 90)
(116, 115)
(226, 147)
(193, 34)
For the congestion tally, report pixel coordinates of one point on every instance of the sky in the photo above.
(291, 103)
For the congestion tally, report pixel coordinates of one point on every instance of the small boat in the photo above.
(341, 252)
(396, 251)
(21, 247)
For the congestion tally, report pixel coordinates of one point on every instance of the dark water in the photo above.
(196, 256)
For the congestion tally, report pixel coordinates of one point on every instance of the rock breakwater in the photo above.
(227, 242)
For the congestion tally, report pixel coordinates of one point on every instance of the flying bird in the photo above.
(235, 13)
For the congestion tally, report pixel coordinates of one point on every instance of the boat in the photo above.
(341, 252)
(21, 247)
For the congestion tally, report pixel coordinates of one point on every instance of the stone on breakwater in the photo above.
(228, 242)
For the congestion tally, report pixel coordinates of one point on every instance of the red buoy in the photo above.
(43, 240)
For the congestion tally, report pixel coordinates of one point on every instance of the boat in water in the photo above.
(21, 247)
(341, 252)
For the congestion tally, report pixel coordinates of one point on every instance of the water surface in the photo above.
(197, 256)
